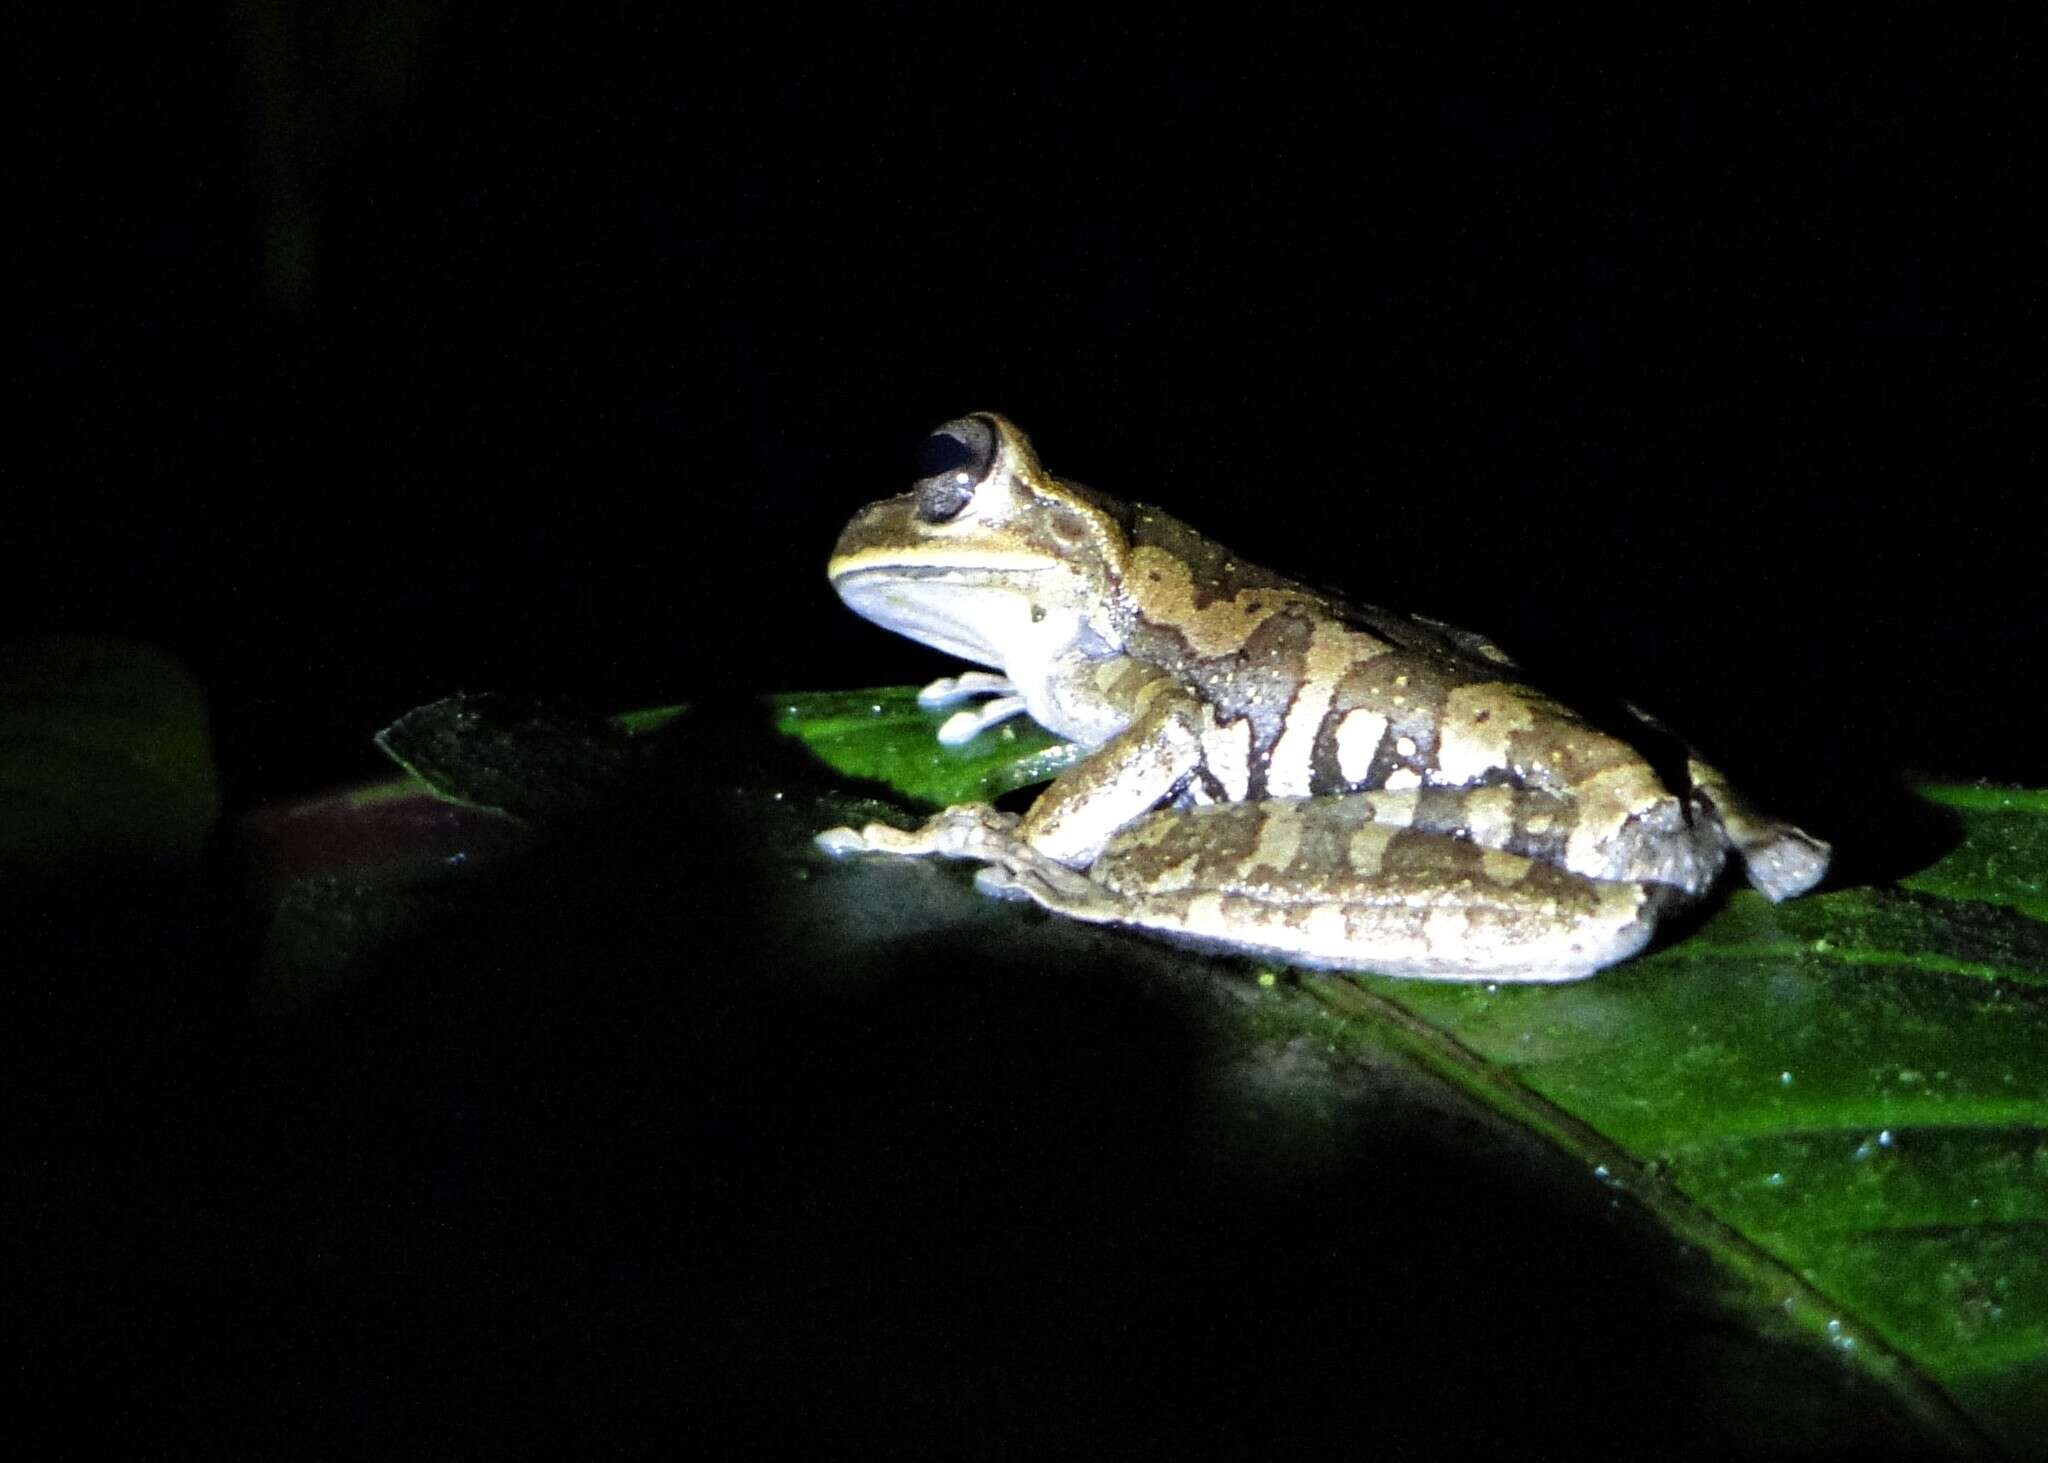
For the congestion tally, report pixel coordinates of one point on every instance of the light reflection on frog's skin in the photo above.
(1272, 770)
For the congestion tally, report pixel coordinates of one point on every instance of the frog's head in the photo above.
(987, 557)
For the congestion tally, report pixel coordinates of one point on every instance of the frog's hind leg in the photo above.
(1627, 839)
(1780, 860)
(1317, 882)
(1321, 882)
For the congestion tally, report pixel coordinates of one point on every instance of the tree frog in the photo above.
(1269, 769)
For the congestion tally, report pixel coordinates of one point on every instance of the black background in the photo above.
(370, 354)
(375, 355)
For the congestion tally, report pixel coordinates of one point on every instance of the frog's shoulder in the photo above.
(1166, 551)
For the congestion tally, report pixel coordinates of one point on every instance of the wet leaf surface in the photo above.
(1843, 1099)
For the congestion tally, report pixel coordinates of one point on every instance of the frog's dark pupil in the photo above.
(942, 452)
(950, 465)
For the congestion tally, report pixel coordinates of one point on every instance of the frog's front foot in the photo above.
(965, 725)
(963, 687)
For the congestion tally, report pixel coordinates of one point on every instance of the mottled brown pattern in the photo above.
(1408, 805)
(1221, 836)
(1572, 750)
(1220, 574)
(1413, 855)
(1217, 573)
(1324, 841)
(1262, 677)
(1416, 859)
(1257, 684)
(1409, 691)
(1445, 811)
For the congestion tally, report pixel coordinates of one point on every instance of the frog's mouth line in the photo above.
(938, 565)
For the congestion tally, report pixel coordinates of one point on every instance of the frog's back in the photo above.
(1338, 695)
(1191, 597)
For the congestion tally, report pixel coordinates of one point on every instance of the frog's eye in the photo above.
(950, 466)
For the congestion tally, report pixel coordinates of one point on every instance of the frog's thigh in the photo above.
(1313, 883)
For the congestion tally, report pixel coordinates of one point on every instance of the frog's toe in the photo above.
(1023, 873)
(963, 727)
(999, 883)
(1789, 863)
(948, 689)
(971, 830)
(839, 842)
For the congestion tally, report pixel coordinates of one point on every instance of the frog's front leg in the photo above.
(1077, 815)
(1131, 773)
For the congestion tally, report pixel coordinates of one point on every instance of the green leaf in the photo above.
(1843, 1099)
(885, 735)
(2003, 857)
(533, 759)
(1871, 1116)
